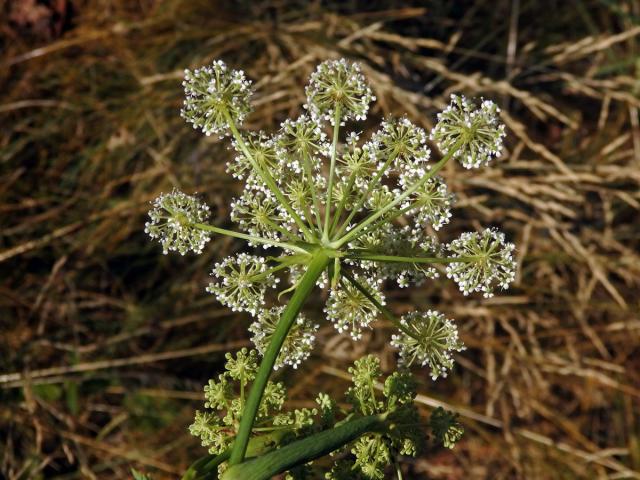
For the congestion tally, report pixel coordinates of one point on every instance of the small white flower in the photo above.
(241, 282)
(171, 221)
(259, 214)
(478, 129)
(350, 310)
(403, 141)
(489, 263)
(297, 345)
(428, 338)
(338, 83)
(213, 92)
(431, 203)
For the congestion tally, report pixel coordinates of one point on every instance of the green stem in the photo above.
(343, 202)
(306, 160)
(318, 263)
(332, 167)
(250, 238)
(373, 217)
(280, 229)
(384, 310)
(398, 470)
(305, 450)
(382, 221)
(398, 259)
(266, 177)
(206, 466)
(365, 195)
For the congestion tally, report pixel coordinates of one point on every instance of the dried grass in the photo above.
(91, 313)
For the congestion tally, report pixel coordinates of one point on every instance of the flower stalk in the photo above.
(306, 450)
(252, 238)
(318, 263)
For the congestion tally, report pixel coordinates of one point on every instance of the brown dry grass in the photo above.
(105, 343)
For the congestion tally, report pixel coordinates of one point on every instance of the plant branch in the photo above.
(374, 216)
(315, 268)
(384, 310)
(305, 450)
(332, 167)
(306, 161)
(266, 176)
(398, 259)
(365, 195)
(250, 238)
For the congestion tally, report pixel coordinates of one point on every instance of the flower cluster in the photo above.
(298, 344)
(259, 213)
(347, 214)
(224, 400)
(214, 96)
(472, 133)
(350, 309)
(486, 261)
(172, 220)
(338, 85)
(241, 282)
(430, 204)
(371, 207)
(445, 427)
(403, 142)
(371, 454)
(428, 339)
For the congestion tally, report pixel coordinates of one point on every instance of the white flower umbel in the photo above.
(298, 344)
(428, 338)
(241, 282)
(171, 222)
(476, 131)
(303, 137)
(259, 214)
(263, 149)
(365, 206)
(350, 310)
(338, 84)
(489, 262)
(430, 204)
(403, 142)
(213, 95)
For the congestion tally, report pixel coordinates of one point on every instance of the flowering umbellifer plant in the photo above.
(339, 213)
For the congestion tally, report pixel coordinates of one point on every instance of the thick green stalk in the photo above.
(305, 450)
(250, 238)
(319, 262)
(373, 217)
(205, 467)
